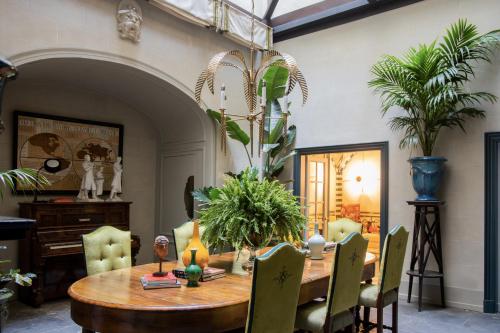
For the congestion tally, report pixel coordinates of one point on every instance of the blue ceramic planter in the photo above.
(427, 173)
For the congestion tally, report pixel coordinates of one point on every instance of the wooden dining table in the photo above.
(115, 302)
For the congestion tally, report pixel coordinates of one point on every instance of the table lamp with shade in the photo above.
(7, 72)
(50, 165)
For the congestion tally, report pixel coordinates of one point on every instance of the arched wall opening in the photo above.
(167, 136)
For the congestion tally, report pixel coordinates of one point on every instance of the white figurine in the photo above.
(88, 181)
(99, 180)
(116, 184)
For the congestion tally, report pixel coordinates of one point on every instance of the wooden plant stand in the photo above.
(426, 240)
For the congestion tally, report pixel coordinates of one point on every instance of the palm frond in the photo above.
(24, 177)
(428, 83)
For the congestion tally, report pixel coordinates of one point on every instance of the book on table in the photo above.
(209, 273)
(149, 281)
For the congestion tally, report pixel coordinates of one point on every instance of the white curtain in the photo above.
(238, 26)
(221, 16)
(201, 12)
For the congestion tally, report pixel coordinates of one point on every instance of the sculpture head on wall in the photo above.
(129, 17)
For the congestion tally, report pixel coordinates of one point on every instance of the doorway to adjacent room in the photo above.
(348, 182)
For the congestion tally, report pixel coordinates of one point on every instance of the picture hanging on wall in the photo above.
(38, 137)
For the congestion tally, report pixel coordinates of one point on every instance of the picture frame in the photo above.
(38, 137)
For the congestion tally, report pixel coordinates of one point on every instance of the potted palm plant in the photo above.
(430, 84)
(27, 177)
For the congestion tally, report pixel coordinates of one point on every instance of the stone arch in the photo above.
(207, 140)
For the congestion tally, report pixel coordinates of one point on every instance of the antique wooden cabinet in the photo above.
(53, 247)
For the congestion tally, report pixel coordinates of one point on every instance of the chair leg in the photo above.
(84, 330)
(357, 318)
(380, 319)
(410, 287)
(395, 317)
(366, 317)
(352, 328)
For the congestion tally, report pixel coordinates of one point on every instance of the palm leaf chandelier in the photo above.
(251, 75)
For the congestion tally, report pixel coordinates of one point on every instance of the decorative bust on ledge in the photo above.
(129, 17)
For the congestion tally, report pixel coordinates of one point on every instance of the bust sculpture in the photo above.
(129, 17)
(160, 249)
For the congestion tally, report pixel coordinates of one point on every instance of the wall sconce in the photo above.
(7, 72)
(51, 165)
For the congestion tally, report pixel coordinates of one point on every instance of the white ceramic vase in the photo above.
(316, 244)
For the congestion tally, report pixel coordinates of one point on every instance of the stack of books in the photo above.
(209, 273)
(155, 282)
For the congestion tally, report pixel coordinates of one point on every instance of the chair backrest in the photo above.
(341, 228)
(182, 237)
(107, 249)
(347, 268)
(277, 277)
(393, 256)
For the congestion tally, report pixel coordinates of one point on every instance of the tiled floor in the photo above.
(55, 317)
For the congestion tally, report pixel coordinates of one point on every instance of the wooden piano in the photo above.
(53, 247)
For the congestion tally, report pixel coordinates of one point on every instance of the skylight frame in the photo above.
(321, 15)
(329, 13)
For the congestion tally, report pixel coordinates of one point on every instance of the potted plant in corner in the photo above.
(26, 177)
(247, 212)
(430, 84)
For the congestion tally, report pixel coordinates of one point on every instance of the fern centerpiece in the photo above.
(429, 84)
(247, 213)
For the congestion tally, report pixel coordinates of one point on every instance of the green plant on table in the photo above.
(248, 212)
(430, 84)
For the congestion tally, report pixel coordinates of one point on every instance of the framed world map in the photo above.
(38, 137)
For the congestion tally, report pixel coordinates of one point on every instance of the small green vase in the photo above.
(193, 271)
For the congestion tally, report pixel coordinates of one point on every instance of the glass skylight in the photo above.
(260, 6)
(288, 6)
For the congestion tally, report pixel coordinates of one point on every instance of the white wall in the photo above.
(336, 63)
(141, 145)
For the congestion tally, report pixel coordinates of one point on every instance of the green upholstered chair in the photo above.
(276, 281)
(107, 249)
(341, 228)
(182, 237)
(386, 291)
(337, 312)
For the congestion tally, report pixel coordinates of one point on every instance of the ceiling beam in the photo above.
(336, 15)
(270, 11)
